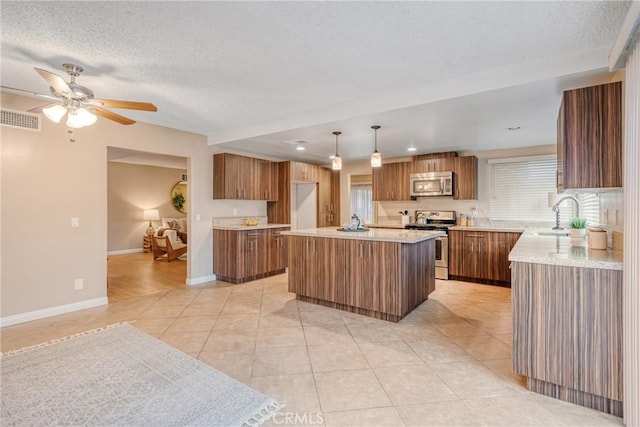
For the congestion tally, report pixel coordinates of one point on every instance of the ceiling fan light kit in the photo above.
(376, 157)
(336, 162)
(78, 103)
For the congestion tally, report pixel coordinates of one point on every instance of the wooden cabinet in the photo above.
(465, 180)
(481, 255)
(380, 279)
(590, 137)
(328, 192)
(244, 178)
(391, 182)
(314, 266)
(243, 255)
(444, 164)
(304, 172)
(465, 170)
(568, 333)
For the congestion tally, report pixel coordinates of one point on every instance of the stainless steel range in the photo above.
(437, 220)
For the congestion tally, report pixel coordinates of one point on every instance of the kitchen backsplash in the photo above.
(235, 220)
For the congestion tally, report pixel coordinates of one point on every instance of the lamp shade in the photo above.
(150, 215)
(55, 113)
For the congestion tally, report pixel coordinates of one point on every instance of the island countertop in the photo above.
(560, 250)
(378, 234)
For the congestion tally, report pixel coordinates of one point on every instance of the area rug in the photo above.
(121, 376)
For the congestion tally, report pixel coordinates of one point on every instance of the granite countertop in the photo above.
(241, 227)
(488, 228)
(379, 234)
(562, 250)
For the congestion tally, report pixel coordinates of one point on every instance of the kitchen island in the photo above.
(380, 273)
(567, 320)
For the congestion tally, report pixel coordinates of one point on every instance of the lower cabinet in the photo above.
(481, 255)
(243, 255)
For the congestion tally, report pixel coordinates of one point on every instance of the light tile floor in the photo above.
(448, 363)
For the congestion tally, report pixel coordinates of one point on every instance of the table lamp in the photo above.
(150, 215)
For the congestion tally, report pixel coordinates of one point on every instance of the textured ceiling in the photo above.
(240, 70)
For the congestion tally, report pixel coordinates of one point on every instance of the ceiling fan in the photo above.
(78, 103)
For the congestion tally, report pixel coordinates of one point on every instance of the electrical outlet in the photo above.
(75, 222)
(78, 284)
(235, 212)
(197, 217)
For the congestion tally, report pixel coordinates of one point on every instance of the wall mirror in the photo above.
(179, 197)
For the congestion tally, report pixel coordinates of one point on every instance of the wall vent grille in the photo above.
(20, 120)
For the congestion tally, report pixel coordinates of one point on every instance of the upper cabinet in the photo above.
(590, 137)
(305, 172)
(465, 180)
(391, 181)
(244, 178)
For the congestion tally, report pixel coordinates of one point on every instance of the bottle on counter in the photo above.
(462, 220)
(470, 222)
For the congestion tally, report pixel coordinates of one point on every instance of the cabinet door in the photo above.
(334, 204)
(456, 252)
(324, 197)
(268, 180)
(304, 172)
(391, 182)
(361, 284)
(590, 137)
(278, 254)
(255, 253)
(466, 177)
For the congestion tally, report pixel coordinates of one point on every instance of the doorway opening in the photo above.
(143, 185)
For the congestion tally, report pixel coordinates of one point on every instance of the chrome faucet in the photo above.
(556, 209)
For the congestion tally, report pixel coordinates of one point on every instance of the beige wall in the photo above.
(130, 189)
(46, 180)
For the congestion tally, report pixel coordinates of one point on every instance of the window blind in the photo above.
(361, 203)
(520, 188)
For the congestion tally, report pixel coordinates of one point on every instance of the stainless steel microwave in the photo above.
(431, 184)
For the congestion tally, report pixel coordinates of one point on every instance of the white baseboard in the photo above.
(51, 311)
(203, 279)
(125, 251)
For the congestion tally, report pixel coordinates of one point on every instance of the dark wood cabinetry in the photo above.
(465, 180)
(374, 278)
(243, 255)
(391, 182)
(244, 178)
(481, 255)
(590, 137)
(328, 192)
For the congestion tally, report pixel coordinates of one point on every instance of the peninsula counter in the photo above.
(380, 273)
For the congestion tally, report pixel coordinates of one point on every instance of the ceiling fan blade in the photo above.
(42, 107)
(29, 92)
(112, 116)
(56, 82)
(130, 105)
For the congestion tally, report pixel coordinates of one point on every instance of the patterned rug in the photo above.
(121, 376)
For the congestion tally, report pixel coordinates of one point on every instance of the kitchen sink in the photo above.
(558, 233)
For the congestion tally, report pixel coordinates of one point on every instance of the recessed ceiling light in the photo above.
(411, 149)
(300, 148)
(513, 128)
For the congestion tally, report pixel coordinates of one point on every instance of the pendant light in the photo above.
(336, 162)
(376, 157)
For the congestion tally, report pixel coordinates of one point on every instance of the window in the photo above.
(520, 189)
(360, 196)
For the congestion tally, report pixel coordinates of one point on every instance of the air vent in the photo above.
(20, 120)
